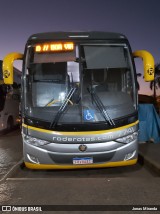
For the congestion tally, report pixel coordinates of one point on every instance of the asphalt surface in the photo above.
(10, 151)
(150, 155)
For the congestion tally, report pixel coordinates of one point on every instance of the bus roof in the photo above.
(75, 35)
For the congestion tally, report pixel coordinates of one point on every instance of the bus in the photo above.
(9, 101)
(79, 99)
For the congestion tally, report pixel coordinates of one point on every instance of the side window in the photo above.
(2, 96)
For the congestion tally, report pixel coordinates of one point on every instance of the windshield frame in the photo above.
(80, 45)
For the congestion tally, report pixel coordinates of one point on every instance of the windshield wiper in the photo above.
(62, 108)
(101, 107)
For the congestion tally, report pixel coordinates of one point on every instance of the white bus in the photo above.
(9, 101)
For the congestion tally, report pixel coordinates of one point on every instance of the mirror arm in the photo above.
(8, 66)
(148, 63)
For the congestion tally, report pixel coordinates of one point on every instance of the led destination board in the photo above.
(54, 47)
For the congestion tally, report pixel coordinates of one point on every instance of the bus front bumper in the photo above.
(38, 158)
(44, 149)
(101, 165)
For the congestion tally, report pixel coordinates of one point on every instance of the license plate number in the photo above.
(82, 161)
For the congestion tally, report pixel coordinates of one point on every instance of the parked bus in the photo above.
(79, 99)
(9, 101)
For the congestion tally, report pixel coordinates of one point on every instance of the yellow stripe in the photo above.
(80, 133)
(24, 125)
(54, 166)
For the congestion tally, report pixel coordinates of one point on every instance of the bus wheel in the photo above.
(10, 123)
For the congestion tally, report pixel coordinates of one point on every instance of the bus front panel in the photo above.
(80, 105)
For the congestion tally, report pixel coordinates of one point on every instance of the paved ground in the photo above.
(10, 151)
(150, 155)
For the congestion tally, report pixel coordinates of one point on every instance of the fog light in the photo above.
(129, 156)
(33, 159)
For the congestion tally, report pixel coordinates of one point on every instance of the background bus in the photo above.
(79, 99)
(9, 101)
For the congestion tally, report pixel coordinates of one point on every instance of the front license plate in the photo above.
(82, 160)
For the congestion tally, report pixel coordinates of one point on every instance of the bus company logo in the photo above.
(6, 74)
(150, 71)
(82, 148)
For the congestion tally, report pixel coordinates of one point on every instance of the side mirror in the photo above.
(148, 63)
(8, 66)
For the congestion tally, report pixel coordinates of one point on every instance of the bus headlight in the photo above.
(34, 141)
(128, 138)
(129, 155)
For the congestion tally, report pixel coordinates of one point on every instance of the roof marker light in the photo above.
(85, 36)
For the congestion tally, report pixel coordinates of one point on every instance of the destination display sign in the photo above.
(54, 47)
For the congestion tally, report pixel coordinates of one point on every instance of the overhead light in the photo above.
(85, 36)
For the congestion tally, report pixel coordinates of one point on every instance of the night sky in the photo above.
(139, 20)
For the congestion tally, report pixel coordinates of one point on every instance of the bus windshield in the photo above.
(89, 71)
